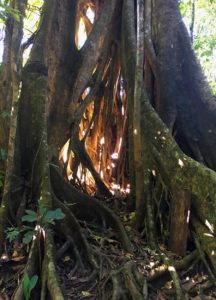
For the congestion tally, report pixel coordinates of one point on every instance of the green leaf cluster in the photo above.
(42, 217)
(12, 233)
(5, 115)
(204, 38)
(27, 231)
(7, 11)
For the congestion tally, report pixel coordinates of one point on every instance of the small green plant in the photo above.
(42, 218)
(12, 233)
(28, 233)
(5, 115)
(28, 285)
(7, 11)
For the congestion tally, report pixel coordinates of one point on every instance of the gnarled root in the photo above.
(53, 283)
(128, 283)
(31, 268)
(66, 192)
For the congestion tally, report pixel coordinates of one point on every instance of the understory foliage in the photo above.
(107, 154)
(199, 17)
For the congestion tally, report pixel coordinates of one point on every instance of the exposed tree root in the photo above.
(66, 192)
(133, 279)
(175, 277)
(31, 268)
(79, 149)
(202, 256)
(117, 290)
(130, 281)
(125, 276)
(179, 265)
(73, 234)
(53, 283)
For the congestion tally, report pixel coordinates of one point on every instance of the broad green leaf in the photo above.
(26, 285)
(26, 228)
(30, 212)
(27, 238)
(33, 282)
(52, 215)
(30, 217)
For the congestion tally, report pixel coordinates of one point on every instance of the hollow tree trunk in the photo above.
(174, 138)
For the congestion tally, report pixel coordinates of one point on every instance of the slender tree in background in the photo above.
(130, 107)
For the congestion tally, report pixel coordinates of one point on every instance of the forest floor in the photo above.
(80, 283)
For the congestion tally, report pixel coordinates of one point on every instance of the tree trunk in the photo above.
(131, 107)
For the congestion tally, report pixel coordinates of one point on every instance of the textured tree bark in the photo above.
(51, 107)
(62, 60)
(186, 104)
(9, 85)
(177, 169)
(138, 156)
(11, 72)
(179, 221)
(128, 63)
